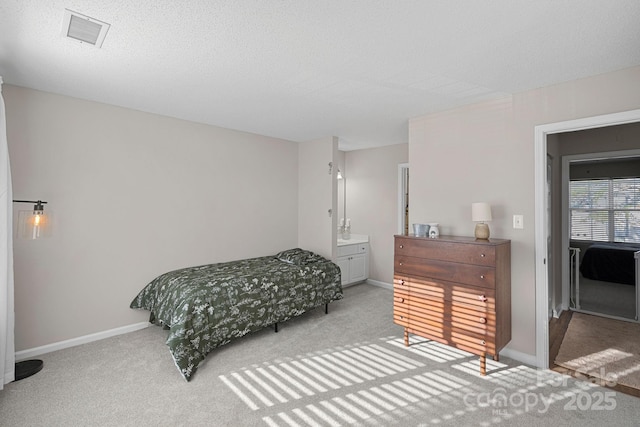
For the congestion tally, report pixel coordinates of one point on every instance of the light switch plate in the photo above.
(518, 221)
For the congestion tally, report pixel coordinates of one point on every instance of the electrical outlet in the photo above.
(518, 221)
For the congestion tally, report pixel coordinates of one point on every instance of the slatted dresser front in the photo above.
(454, 290)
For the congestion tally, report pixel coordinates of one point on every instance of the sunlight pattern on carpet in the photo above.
(385, 383)
(436, 397)
(334, 369)
(387, 402)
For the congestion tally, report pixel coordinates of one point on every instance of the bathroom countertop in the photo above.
(355, 239)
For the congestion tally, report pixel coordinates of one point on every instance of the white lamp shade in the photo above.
(480, 212)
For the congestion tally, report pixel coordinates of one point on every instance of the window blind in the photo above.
(605, 210)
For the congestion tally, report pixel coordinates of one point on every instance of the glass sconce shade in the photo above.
(33, 224)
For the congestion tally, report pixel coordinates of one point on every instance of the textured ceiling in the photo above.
(306, 69)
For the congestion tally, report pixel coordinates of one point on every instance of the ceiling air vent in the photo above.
(84, 29)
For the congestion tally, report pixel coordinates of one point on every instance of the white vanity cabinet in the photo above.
(353, 260)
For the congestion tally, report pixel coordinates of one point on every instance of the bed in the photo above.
(610, 263)
(207, 306)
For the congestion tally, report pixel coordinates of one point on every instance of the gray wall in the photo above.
(485, 152)
(133, 195)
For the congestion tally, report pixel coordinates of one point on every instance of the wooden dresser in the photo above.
(454, 290)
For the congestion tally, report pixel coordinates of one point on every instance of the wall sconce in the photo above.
(480, 213)
(339, 174)
(33, 224)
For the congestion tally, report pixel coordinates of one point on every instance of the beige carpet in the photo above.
(603, 348)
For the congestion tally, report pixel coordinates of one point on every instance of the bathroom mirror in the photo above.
(342, 189)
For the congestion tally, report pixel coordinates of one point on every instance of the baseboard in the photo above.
(380, 284)
(529, 359)
(32, 352)
(557, 310)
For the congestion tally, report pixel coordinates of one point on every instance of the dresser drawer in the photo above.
(472, 342)
(436, 291)
(433, 249)
(482, 324)
(464, 340)
(474, 275)
(468, 306)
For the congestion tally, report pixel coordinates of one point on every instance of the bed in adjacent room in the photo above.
(207, 306)
(610, 262)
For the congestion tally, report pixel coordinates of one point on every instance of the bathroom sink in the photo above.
(353, 240)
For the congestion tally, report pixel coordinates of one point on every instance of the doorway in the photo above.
(541, 133)
(602, 277)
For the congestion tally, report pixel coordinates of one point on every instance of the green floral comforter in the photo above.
(207, 306)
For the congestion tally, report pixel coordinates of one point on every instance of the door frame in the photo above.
(541, 270)
(403, 182)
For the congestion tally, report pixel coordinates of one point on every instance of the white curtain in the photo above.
(7, 346)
